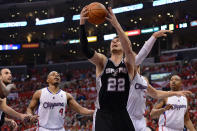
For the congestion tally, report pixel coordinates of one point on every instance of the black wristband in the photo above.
(88, 52)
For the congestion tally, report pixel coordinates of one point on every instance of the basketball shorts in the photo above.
(49, 129)
(112, 121)
(139, 124)
(164, 128)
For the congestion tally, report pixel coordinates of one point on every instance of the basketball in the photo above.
(96, 13)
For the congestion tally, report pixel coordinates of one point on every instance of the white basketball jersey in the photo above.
(174, 118)
(51, 110)
(136, 104)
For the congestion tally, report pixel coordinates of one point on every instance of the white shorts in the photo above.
(44, 129)
(139, 124)
(164, 128)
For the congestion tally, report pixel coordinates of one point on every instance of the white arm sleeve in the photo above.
(145, 50)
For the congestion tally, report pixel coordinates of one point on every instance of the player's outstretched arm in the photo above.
(9, 111)
(157, 94)
(158, 110)
(145, 50)
(78, 108)
(188, 122)
(125, 42)
(34, 102)
(97, 59)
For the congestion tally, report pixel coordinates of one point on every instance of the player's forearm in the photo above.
(85, 111)
(164, 94)
(145, 50)
(189, 125)
(29, 111)
(157, 94)
(156, 112)
(9, 111)
(126, 44)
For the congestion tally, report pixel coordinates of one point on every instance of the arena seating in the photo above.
(81, 84)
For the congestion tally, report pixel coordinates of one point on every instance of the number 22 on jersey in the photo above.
(116, 84)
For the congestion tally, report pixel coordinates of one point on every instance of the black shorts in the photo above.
(112, 121)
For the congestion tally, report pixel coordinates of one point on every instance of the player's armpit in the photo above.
(34, 102)
(99, 60)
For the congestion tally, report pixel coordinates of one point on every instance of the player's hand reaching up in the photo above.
(162, 33)
(112, 18)
(83, 15)
(183, 93)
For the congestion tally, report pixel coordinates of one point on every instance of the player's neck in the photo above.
(116, 58)
(53, 89)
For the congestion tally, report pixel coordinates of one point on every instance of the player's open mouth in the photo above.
(57, 79)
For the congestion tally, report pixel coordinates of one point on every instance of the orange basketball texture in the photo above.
(96, 13)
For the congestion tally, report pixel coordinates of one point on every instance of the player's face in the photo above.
(6, 76)
(175, 83)
(115, 45)
(54, 78)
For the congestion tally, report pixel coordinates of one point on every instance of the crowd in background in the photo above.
(81, 84)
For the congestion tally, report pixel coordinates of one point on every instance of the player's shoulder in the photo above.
(38, 93)
(185, 98)
(64, 92)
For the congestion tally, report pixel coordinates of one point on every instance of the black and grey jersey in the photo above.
(113, 87)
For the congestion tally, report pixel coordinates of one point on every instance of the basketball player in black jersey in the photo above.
(6, 80)
(113, 76)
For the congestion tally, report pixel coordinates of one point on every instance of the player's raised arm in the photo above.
(94, 57)
(145, 50)
(125, 42)
(78, 108)
(9, 111)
